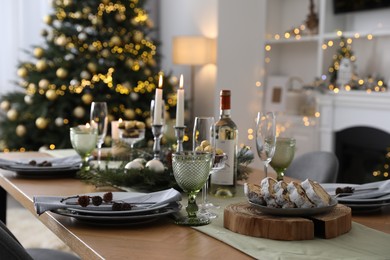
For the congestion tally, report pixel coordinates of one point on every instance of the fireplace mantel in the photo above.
(349, 109)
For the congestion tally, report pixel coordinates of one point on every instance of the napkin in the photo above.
(383, 189)
(47, 203)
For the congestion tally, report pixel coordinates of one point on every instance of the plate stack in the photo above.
(364, 196)
(141, 207)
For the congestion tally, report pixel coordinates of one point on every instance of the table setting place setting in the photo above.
(43, 166)
(368, 196)
(112, 208)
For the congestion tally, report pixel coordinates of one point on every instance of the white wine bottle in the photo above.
(223, 181)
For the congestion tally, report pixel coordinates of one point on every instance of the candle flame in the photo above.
(160, 81)
(181, 81)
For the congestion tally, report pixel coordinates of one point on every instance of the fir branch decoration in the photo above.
(244, 158)
(149, 180)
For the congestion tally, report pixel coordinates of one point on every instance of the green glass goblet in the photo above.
(284, 154)
(191, 171)
(84, 140)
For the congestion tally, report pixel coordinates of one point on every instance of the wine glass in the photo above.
(284, 154)
(191, 171)
(265, 137)
(84, 140)
(99, 120)
(204, 141)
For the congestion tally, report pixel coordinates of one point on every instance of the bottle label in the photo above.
(225, 176)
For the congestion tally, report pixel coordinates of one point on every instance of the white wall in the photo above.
(190, 18)
(239, 31)
(21, 25)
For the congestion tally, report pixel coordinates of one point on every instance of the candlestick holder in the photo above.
(157, 133)
(179, 133)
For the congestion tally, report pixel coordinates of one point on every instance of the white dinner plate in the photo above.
(297, 212)
(49, 171)
(121, 219)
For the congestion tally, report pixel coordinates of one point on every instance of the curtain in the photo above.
(21, 23)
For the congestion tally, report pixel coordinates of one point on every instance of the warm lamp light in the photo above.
(193, 50)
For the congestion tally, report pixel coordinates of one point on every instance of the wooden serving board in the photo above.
(244, 219)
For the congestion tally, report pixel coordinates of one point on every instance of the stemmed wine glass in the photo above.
(204, 141)
(83, 140)
(99, 120)
(191, 171)
(265, 137)
(284, 154)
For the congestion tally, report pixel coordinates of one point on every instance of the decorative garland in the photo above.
(148, 179)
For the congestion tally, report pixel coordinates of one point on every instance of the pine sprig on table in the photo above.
(244, 158)
(149, 180)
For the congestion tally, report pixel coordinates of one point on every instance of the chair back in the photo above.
(320, 166)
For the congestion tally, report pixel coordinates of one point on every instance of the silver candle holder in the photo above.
(179, 133)
(157, 131)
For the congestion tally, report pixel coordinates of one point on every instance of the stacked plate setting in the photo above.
(364, 197)
(145, 207)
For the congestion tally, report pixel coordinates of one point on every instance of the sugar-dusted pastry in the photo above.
(298, 196)
(267, 188)
(254, 194)
(282, 197)
(316, 193)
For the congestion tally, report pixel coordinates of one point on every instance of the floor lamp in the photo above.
(193, 51)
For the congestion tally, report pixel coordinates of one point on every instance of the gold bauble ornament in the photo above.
(41, 65)
(59, 121)
(43, 84)
(67, 2)
(5, 105)
(22, 72)
(79, 112)
(85, 74)
(61, 40)
(20, 130)
(129, 113)
(87, 98)
(41, 122)
(31, 88)
(51, 94)
(92, 67)
(38, 52)
(47, 19)
(138, 36)
(61, 73)
(28, 99)
(105, 53)
(115, 40)
(12, 114)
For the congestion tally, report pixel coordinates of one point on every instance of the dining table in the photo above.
(163, 239)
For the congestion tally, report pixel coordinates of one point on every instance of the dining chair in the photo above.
(320, 166)
(10, 248)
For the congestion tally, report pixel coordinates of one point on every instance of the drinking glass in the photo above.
(133, 137)
(84, 140)
(265, 137)
(204, 141)
(284, 154)
(191, 171)
(99, 120)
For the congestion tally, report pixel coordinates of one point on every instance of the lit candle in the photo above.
(157, 118)
(180, 104)
(115, 129)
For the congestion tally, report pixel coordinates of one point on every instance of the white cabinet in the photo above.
(308, 57)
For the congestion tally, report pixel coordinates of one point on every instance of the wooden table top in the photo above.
(161, 239)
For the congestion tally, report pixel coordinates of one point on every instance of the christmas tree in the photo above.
(94, 50)
(345, 51)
